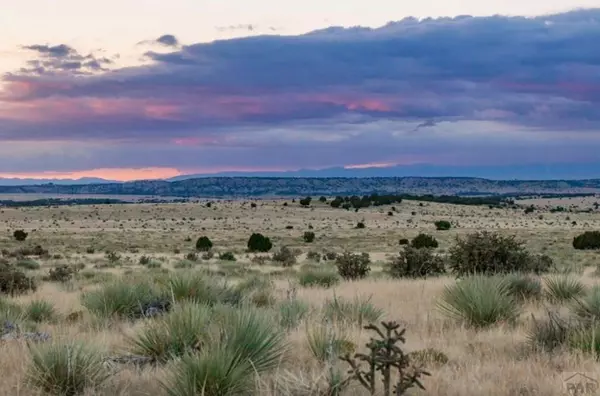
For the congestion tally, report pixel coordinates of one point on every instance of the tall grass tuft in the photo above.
(359, 311)
(586, 339)
(523, 287)
(479, 301)
(183, 330)
(291, 312)
(548, 334)
(326, 342)
(587, 308)
(318, 278)
(563, 288)
(120, 299)
(248, 343)
(39, 311)
(201, 288)
(65, 369)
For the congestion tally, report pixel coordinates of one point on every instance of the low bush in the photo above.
(416, 263)
(227, 256)
(39, 311)
(589, 240)
(15, 282)
(62, 273)
(204, 244)
(20, 235)
(353, 266)
(285, 256)
(491, 253)
(442, 225)
(259, 243)
(424, 241)
(523, 287)
(308, 236)
(28, 264)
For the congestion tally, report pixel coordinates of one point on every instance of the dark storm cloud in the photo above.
(62, 58)
(532, 75)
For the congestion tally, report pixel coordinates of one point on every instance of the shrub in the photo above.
(318, 278)
(39, 311)
(314, 256)
(563, 288)
(62, 273)
(191, 256)
(353, 266)
(204, 244)
(15, 282)
(442, 225)
(259, 243)
(587, 241)
(285, 256)
(479, 301)
(330, 256)
(144, 260)
(305, 201)
(20, 235)
(424, 241)
(112, 256)
(227, 256)
(416, 263)
(308, 236)
(360, 225)
(180, 332)
(65, 369)
(403, 241)
(490, 253)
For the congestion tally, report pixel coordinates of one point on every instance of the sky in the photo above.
(137, 89)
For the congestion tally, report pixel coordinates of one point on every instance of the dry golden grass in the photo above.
(485, 362)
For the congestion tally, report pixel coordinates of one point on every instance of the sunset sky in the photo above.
(138, 89)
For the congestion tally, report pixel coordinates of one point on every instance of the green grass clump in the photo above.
(587, 308)
(28, 264)
(248, 343)
(120, 299)
(201, 288)
(479, 301)
(359, 311)
(40, 311)
(183, 330)
(523, 287)
(326, 343)
(292, 312)
(563, 288)
(318, 278)
(65, 369)
(586, 339)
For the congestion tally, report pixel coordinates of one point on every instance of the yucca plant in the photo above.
(358, 311)
(587, 308)
(563, 288)
(328, 342)
(182, 331)
(291, 312)
(479, 301)
(121, 299)
(248, 343)
(39, 311)
(201, 288)
(65, 369)
(523, 287)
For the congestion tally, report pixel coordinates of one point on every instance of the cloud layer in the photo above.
(463, 90)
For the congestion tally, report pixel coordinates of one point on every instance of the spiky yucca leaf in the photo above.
(182, 331)
(479, 301)
(65, 369)
(588, 307)
(563, 288)
(39, 311)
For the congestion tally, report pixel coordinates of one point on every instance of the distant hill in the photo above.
(278, 186)
(34, 182)
(571, 171)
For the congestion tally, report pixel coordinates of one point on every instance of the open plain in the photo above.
(137, 243)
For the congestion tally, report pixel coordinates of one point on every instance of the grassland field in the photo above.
(491, 361)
